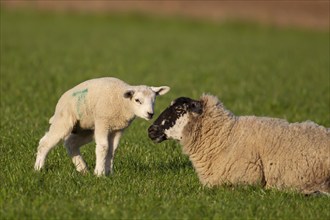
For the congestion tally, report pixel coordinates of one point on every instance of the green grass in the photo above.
(254, 70)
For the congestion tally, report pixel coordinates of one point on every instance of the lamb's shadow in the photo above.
(172, 166)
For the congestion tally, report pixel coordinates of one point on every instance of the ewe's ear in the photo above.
(162, 90)
(196, 106)
(129, 94)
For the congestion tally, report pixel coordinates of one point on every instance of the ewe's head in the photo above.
(143, 99)
(170, 123)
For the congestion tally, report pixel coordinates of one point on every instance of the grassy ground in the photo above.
(252, 69)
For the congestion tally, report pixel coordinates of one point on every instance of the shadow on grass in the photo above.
(170, 166)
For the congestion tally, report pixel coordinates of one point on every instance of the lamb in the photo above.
(231, 150)
(98, 108)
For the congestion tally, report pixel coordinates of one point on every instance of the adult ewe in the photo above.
(102, 108)
(229, 149)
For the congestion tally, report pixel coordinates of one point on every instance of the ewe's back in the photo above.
(279, 135)
(293, 154)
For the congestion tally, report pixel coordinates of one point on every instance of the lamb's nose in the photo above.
(150, 115)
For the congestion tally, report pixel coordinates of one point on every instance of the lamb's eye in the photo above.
(138, 101)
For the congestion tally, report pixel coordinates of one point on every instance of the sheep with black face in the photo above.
(229, 149)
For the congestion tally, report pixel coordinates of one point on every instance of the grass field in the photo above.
(257, 70)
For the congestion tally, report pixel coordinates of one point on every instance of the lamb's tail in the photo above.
(51, 120)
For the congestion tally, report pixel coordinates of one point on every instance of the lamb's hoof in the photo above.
(82, 168)
(100, 173)
(83, 171)
(38, 165)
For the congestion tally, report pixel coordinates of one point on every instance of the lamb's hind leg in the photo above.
(73, 144)
(60, 129)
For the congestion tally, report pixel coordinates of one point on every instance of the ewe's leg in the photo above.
(102, 148)
(57, 131)
(73, 143)
(113, 144)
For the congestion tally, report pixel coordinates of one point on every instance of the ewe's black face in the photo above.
(171, 121)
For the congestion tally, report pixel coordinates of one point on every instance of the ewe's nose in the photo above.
(150, 115)
(156, 134)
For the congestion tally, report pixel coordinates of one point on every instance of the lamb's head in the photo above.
(171, 122)
(143, 99)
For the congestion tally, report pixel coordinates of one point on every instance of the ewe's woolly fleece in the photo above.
(225, 148)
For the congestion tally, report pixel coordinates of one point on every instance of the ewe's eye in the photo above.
(138, 101)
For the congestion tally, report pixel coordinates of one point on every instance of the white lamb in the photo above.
(99, 108)
(229, 149)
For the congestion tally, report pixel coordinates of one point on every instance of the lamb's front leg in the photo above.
(102, 149)
(113, 144)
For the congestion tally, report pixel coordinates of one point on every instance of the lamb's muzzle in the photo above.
(150, 115)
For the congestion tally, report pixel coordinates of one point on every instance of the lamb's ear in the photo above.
(162, 90)
(129, 94)
(196, 106)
